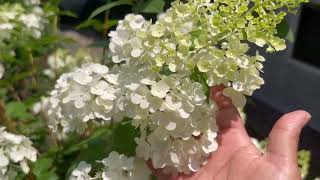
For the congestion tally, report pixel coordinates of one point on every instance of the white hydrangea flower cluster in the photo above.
(173, 115)
(174, 155)
(15, 149)
(209, 36)
(62, 60)
(124, 44)
(166, 109)
(116, 167)
(152, 81)
(81, 172)
(27, 18)
(80, 96)
(1, 70)
(41, 106)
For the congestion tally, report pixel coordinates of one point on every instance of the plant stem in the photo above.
(55, 25)
(5, 120)
(105, 31)
(33, 69)
(15, 94)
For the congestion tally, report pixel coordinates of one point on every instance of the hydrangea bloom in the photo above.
(210, 36)
(81, 172)
(63, 61)
(14, 149)
(20, 21)
(80, 96)
(27, 17)
(124, 44)
(116, 167)
(41, 106)
(152, 81)
(174, 155)
(165, 108)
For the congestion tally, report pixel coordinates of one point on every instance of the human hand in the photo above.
(237, 158)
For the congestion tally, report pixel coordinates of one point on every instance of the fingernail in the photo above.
(308, 116)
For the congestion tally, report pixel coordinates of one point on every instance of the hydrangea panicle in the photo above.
(15, 149)
(151, 81)
(116, 167)
(62, 60)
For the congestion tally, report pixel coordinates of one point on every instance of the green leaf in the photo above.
(49, 175)
(43, 169)
(197, 33)
(16, 77)
(282, 29)
(152, 6)
(290, 36)
(123, 139)
(96, 24)
(41, 166)
(201, 78)
(109, 6)
(96, 147)
(3, 93)
(68, 13)
(110, 23)
(98, 134)
(18, 110)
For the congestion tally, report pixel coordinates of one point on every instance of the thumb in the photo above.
(284, 136)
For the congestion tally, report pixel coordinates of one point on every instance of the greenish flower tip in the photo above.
(211, 36)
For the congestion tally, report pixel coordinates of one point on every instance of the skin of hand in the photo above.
(237, 158)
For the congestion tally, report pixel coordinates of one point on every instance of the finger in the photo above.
(284, 136)
(227, 115)
(159, 172)
(232, 130)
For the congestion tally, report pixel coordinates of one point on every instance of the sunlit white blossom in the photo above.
(161, 76)
(81, 172)
(21, 22)
(238, 99)
(121, 167)
(62, 61)
(116, 167)
(80, 96)
(15, 149)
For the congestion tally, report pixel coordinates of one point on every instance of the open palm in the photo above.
(237, 158)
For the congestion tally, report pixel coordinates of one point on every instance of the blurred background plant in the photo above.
(35, 51)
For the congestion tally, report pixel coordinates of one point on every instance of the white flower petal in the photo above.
(160, 89)
(171, 126)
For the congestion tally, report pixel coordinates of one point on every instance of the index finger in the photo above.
(227, 116)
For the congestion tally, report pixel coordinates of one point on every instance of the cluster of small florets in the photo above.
(62, 60)
(210, 36)
(174, 155)
(81, 96)
(151, 82)
(14, 149)
(27, 17)
(116, 166)
(20, 21)
(166, 109)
